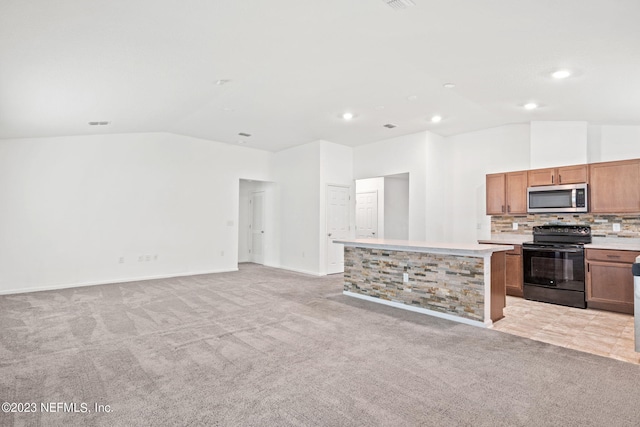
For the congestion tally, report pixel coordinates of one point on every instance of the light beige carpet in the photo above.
(265, 347)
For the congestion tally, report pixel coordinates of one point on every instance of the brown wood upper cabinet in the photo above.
(558, 176)
(507, 193)
(614, 186)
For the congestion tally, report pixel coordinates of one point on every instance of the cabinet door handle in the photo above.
(613, 256)
(508, 208)
(559, 179)
(552, 178)
(502, 208)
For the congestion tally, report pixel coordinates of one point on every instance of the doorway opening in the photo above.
(256, 229)
(382, 207)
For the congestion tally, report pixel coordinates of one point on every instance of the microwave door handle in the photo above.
(573, 198)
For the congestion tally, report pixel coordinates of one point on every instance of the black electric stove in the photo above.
(553, 264)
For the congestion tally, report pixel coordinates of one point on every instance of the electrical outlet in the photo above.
(147, 258)
(616, 226)
(221, 253)
(514, 225)
(121, 260)
(405, 277)
(155, 257)
(140, 258)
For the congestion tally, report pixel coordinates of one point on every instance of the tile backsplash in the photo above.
(601, 225)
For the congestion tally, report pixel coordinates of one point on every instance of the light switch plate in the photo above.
(514, 225)
(616, 226)
(405, 277)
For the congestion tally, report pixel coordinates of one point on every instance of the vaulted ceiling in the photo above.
(293, 67)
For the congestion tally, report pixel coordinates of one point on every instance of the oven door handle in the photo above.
(547, 249)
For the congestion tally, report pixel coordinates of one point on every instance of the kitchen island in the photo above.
(460, 282)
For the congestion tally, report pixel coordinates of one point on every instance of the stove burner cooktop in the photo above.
(561, 233)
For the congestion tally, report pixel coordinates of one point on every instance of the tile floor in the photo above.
(592, 331)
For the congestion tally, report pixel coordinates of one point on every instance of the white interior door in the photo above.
(337, 226)
(367, 215)
(257, 227)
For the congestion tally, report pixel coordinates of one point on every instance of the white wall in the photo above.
(297, 174)
(609, 143)
(396, 207)
(73, 206)
(302, 174)
(438, 184)
(474, 155)
(394, 156)
(559, 143)
(374, 184)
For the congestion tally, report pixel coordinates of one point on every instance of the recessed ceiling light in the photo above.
(449, 85)
(412, 97)
(347, 116)
(561, 74)
(530, 106)
(102, 123)
(390, 126)
(222, 82)
(436, 119)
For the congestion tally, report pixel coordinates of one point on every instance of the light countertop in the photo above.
(616, 243)
(469, 249)
(613, 243)
(507, 239)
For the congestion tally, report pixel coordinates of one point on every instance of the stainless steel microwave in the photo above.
(558, 198)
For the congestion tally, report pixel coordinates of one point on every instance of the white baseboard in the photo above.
(107, 282)
(453, 317)
(295, 270)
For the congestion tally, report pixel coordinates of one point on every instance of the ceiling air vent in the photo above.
(390, 126)
(244, 134)
(399, 4)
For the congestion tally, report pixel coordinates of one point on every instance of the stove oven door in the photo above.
(556, 267)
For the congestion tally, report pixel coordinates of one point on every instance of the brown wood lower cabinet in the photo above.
(609, 279)
(514, 275)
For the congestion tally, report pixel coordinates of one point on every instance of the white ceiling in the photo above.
(296, 65)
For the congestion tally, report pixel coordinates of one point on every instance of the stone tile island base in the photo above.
(457, 286)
